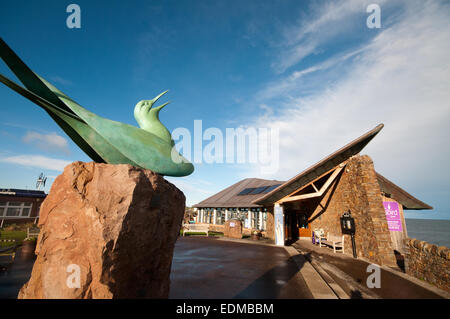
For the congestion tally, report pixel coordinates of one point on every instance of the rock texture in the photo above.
(428, 262)
(233, 228)
(117, 223)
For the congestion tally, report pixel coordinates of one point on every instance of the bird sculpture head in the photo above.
(147, 117)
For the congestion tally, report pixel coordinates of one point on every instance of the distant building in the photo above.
(20, 205)
(237, 201)
(317, 198)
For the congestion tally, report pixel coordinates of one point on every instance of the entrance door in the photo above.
(304, 227)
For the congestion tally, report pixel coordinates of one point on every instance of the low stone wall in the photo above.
(221, 229)
(428, 262)
(217, 228)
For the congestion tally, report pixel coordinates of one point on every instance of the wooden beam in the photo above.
(306, 185)
(318, 193)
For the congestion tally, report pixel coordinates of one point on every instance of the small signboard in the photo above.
(393, 216)
(232, 224)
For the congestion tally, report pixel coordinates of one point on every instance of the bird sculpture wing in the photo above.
(101, 139)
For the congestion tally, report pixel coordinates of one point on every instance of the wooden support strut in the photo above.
(317, 192)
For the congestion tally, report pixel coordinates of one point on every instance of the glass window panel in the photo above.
(271, 188)
(3, 204)
(25, 212)
(27, 204)
(2, 210)
(258, 190)
(13, 211)
(15, 204)
(246, 191)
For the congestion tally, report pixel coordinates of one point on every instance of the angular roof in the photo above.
(405, 199)
(229, 196)
(319, 168)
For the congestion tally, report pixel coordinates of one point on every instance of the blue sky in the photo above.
(311, 69)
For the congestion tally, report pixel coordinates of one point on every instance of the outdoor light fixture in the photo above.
(348, 227)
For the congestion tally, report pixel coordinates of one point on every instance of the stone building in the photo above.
(317, 198)
(20, 205)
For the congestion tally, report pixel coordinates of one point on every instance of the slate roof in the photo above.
(229, 198)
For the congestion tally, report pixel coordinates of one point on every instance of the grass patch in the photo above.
(215, 234)
(16, 235)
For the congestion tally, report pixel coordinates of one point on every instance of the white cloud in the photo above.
(401, 78)
(47, 142)
(38, 161)
(325, 21)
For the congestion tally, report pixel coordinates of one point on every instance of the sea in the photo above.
(434, 231)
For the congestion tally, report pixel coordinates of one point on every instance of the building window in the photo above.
(15, 209)
(221, 217)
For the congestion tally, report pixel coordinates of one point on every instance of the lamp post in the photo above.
(348, 227)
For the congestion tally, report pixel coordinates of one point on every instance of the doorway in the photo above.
(304, 226)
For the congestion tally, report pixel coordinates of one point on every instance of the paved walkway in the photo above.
(351, 274)
(16, 275)
(212, 268)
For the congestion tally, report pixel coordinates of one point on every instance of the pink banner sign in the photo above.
(393, 216)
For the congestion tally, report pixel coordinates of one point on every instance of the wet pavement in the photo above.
(212, 268)
(16, 274)
(394, 284)
(204, 268)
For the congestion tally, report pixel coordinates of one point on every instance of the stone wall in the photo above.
(428, 262)
(357, 190)
(216, 228)
(221, 229)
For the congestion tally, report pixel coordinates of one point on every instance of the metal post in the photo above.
(353, 245)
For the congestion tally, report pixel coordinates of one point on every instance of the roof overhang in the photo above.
(401, 196)
(318, 169)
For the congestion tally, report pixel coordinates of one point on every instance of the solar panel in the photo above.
(270, 188)
(246, 191)
(258, 190)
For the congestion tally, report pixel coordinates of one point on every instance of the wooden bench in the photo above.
(196, 228)
(333, 241)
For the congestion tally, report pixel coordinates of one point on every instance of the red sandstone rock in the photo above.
(233, 228)
(118, 223)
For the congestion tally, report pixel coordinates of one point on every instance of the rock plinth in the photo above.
(233, 228)
(107, 231)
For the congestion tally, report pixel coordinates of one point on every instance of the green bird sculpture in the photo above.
(103, 140)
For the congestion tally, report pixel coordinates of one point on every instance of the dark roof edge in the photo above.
(207, 203)
(367, 137)
(405, 193)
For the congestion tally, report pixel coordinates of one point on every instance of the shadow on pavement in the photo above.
(275, 283)
(14, 275)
